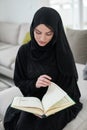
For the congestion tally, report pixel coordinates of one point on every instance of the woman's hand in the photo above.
(43, 81)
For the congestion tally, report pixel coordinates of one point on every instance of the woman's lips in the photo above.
(42, 42)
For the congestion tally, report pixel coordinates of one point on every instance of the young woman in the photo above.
(47, 57)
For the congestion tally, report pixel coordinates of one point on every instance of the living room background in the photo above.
(20, 11)
(73, 12)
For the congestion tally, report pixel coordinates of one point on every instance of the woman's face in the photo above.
(43, 34)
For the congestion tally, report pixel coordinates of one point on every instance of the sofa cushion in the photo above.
(13, 65)
(78, 43)
(24, 28)
(3, 86)
(85, 72)
(80, 122)
(27, 38)
(6, 98)
(8, 72)
(9, 32)
(1, 126)
(80, 68)
(4, 45)
(7, 56)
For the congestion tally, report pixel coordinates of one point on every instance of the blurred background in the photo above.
(73, 12)
(15, 20)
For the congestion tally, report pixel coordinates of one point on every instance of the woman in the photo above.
(47, 57)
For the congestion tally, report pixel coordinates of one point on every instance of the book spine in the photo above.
(43, 116)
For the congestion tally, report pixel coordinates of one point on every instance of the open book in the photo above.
(54, 100)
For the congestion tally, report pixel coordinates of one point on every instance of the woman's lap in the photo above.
(29, 121)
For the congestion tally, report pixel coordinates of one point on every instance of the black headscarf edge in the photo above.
(64, 55)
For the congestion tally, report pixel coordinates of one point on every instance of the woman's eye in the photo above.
(49, 34)
(37, 32)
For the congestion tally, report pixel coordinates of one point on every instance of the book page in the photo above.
(53, 95)
(62, 104)
(27, 102)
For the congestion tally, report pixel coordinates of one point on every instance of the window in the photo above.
(73, 12)
(85, 14)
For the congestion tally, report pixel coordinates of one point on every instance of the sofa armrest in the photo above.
(6, 97)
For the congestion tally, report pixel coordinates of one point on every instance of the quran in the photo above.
(54, 100)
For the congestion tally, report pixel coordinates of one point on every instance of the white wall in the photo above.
(20, 10)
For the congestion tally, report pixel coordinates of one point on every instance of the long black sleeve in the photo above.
(21, 80)
(69, 84)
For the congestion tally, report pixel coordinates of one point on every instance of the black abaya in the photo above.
(30, 70)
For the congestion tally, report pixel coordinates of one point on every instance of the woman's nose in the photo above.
(43, 38)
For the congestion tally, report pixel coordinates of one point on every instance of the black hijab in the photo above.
(59, 43)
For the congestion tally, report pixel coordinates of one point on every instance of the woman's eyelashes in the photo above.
(37, 32)
(40, 33)
(49, 33)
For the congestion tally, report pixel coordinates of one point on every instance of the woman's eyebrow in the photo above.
(40, 31)
(37, 30)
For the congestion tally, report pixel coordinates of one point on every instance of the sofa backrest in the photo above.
(78, 43)
(9, 32)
